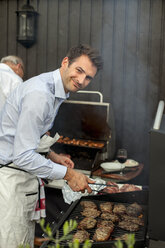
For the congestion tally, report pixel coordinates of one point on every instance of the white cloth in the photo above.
(17, 203)
(46, 142)
(9, 80)
(28, 113)
(70, 196)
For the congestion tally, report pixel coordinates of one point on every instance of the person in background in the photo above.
(11, 75)
(28, 113)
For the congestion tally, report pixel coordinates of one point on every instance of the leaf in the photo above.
(87, 244)
(66, 228)
(130, 241)
(119, 244)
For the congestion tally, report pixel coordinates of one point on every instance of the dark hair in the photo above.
(83, 49)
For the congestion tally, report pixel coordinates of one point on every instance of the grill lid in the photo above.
(83, 121)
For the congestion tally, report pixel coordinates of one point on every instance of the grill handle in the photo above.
(159, 114)
(92, 92)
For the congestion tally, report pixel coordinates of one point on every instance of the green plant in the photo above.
(68, 227)
(130, 241)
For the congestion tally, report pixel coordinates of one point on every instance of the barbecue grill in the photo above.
(86, 122)
(126, 198)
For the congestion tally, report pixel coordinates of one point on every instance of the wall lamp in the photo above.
(26, 25)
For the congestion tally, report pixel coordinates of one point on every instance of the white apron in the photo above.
(18, 197)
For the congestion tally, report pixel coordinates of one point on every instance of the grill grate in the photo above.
(75, 214)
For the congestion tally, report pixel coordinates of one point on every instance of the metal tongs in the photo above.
(102, 184)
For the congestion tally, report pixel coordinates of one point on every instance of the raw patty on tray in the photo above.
(81, 235)
(102, 233)
(106, 207)
(87, 223)
(91, 212)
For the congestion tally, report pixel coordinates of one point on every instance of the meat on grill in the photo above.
(109, 216)
(106, 207)
(81, 235)
(107, 223)
(102, 233)
(122, 237)
(87, 223)
(134, 209)
(129, 187)
(128, 225)
(91, 212)
(119, 209)
(136, 220)
(88, 204)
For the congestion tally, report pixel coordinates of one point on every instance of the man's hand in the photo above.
(78, 181)
(61, 159)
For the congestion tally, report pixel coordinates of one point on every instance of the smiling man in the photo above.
(29, 113)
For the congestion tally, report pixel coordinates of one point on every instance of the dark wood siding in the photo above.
(130, 35)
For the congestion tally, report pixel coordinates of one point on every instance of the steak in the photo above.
(87, 223)
(81, 235)
(122, 237)
(129, 187)
(119, 209)
(91, 212)
(106, 207)
(102, 233)
(136, 220)
(107, 223)
(134, 209)
(128, 225)
(109, 216)
(88, 204)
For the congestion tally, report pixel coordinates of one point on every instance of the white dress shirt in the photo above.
(27, 114)
(9, 80)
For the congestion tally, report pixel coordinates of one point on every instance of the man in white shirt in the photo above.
(28, 113)
(11, 74)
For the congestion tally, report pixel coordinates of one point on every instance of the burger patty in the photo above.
(109, 216)
(107, 223)
(102, 233)
(88, 204)
(134, 209)
(119, 209)
(81, 235)
(87, 223)
(91, 212)
(122, 237)
(106, 207)
(136, 220)
(128, 225)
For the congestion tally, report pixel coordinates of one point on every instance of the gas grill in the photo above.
(87, 123)
(126, 198)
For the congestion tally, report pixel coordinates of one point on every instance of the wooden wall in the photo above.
(130, 35)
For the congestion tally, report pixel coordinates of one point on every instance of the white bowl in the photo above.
(112, 166)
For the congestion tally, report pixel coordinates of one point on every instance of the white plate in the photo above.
(131, 163)
(112, 166)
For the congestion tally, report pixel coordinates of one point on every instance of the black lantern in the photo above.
(26, 25)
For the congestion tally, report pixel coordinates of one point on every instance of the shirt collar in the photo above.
(59, 88)
(5, 67)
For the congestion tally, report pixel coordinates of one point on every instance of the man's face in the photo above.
(78, 75)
